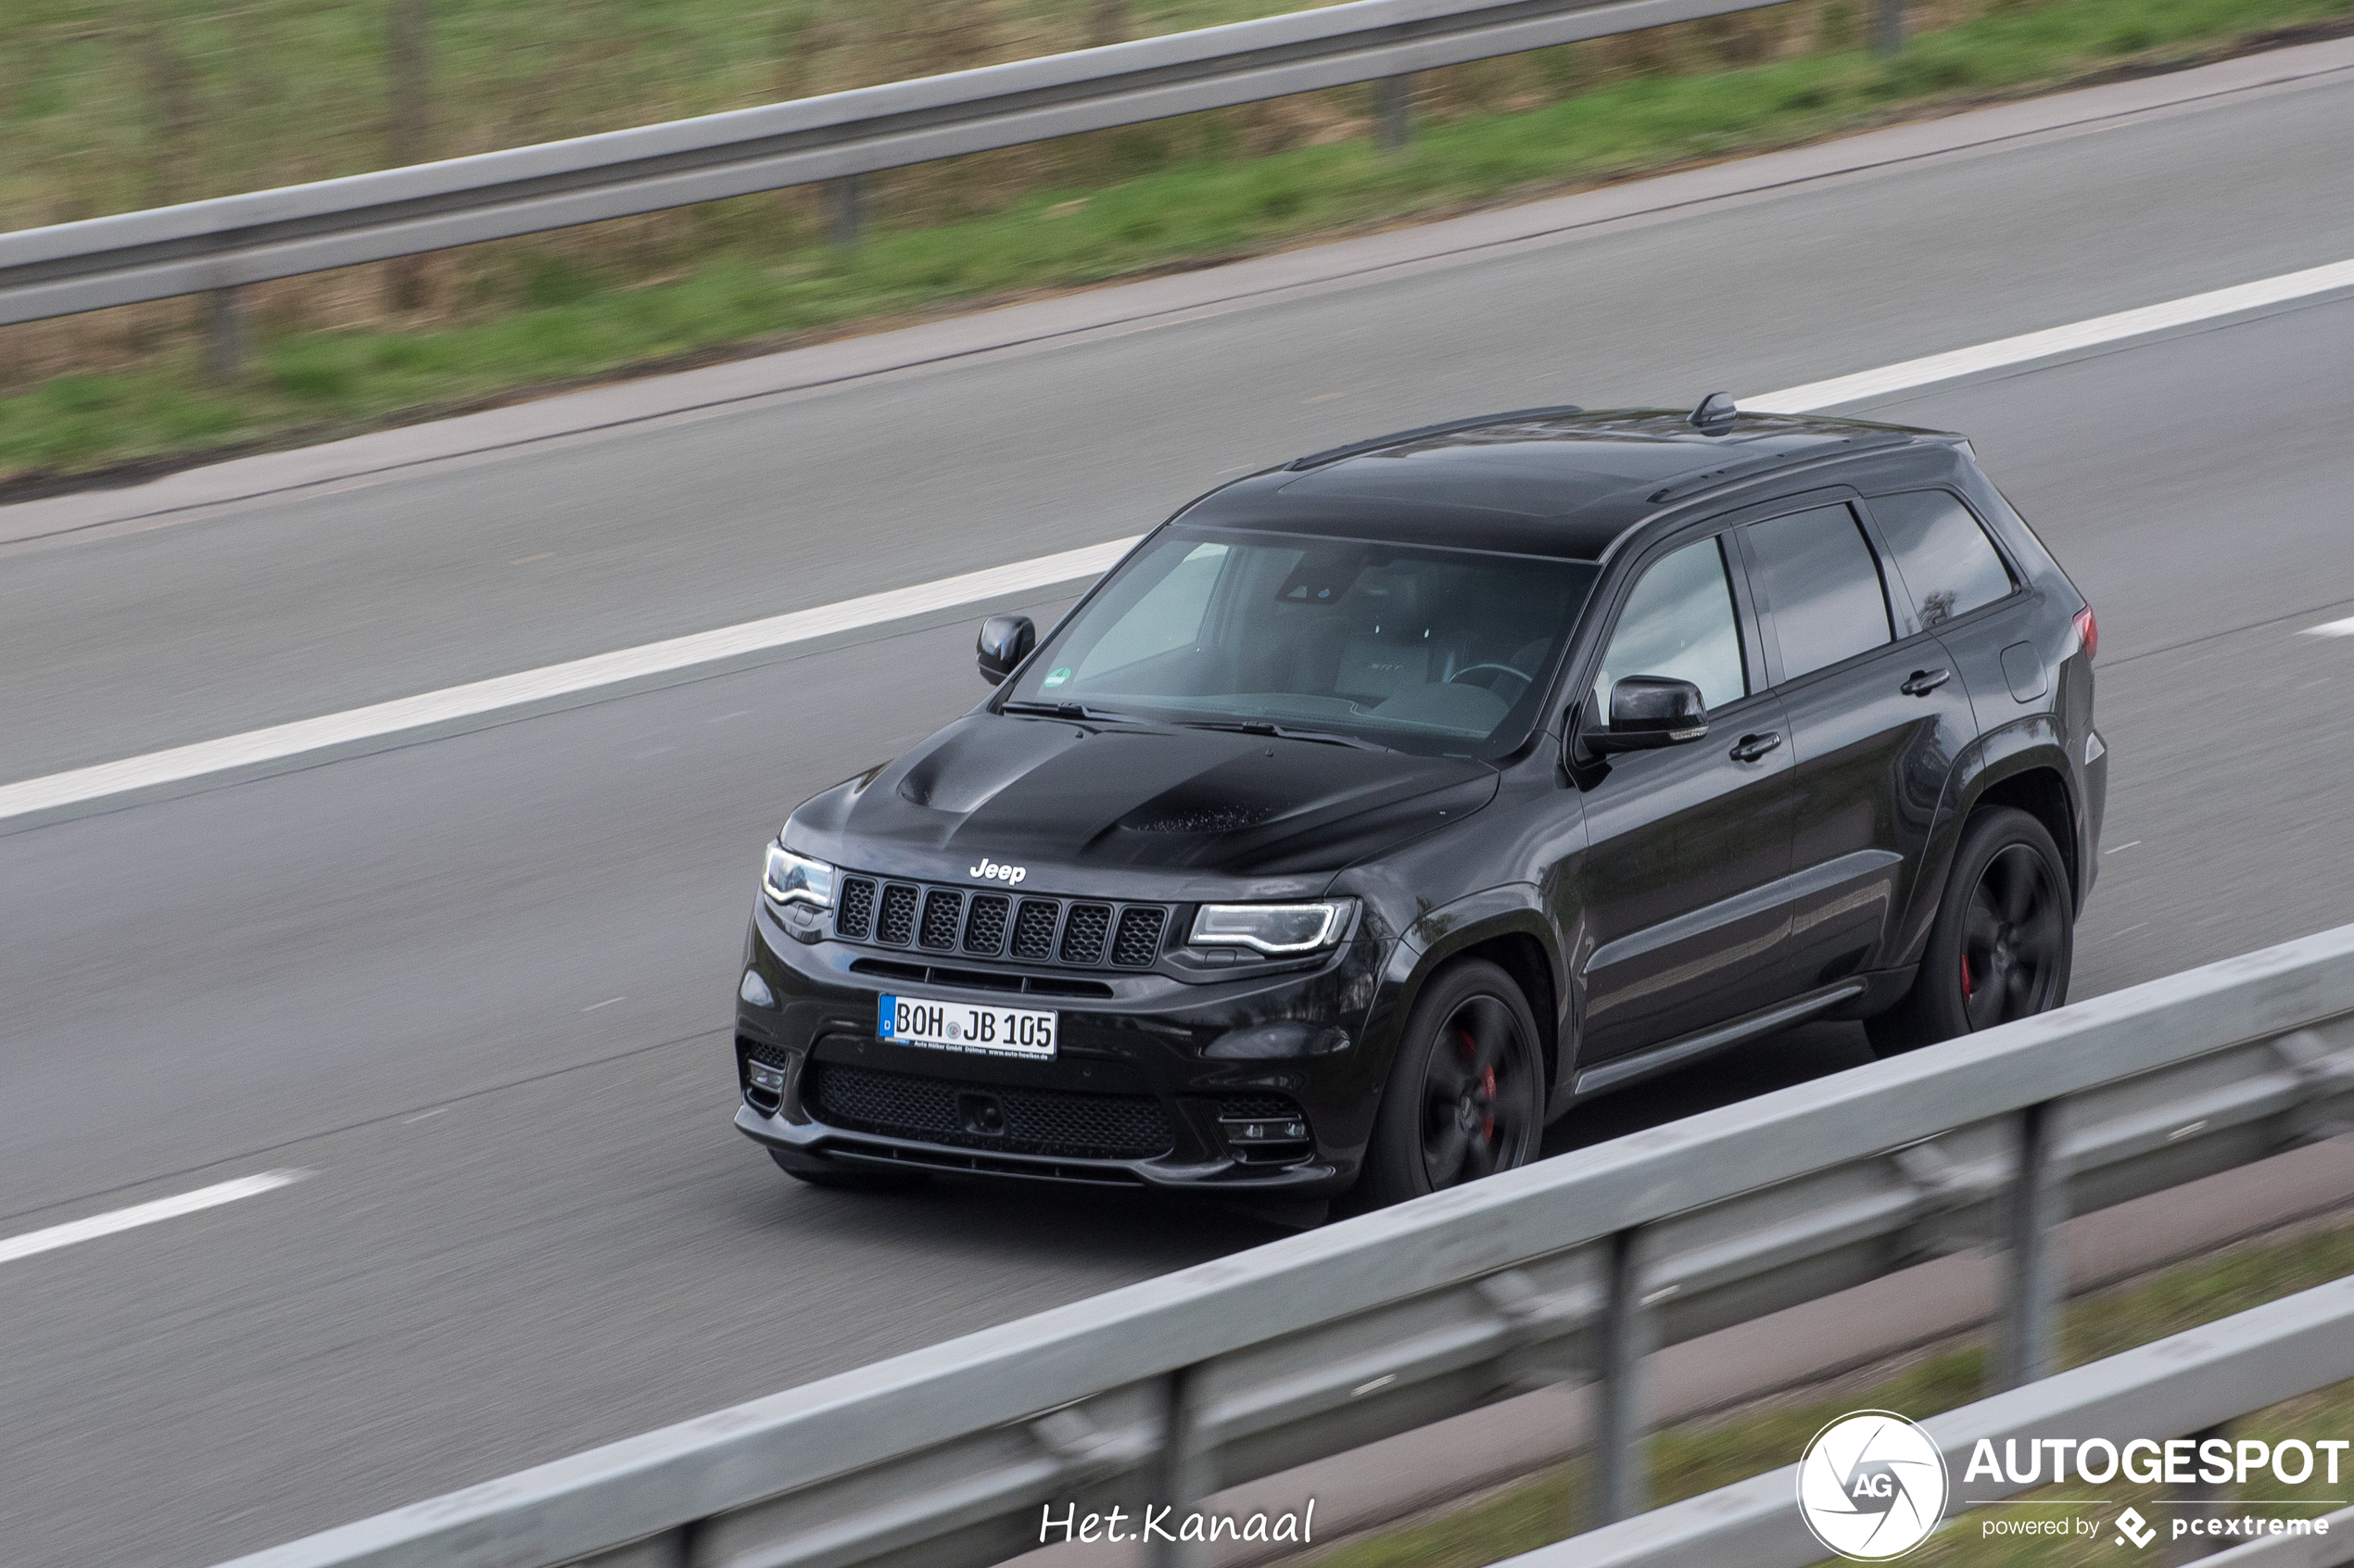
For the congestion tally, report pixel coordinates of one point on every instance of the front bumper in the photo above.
(1157, 1082)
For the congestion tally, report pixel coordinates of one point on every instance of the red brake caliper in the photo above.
(1487, 1123)
(1965, 985)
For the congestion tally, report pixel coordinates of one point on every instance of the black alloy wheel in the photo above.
(2003, 941)
(2014, 938)
(1467, 1093)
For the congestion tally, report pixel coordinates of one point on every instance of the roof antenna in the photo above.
(1714, 415)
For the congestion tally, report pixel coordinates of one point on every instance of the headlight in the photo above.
(796, 879)
(1271, 928)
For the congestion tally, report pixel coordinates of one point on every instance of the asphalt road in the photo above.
(478, 987)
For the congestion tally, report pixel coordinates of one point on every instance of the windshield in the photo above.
(1436, 651)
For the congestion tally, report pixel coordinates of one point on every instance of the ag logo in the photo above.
(1871, 1486)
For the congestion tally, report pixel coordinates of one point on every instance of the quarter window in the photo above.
(1942, 554)
(1678, 621)
(1822, 587)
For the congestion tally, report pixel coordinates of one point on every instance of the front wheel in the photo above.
(1466, 1093)
(2003, 941)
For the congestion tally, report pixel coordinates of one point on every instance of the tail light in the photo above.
(2088, 632)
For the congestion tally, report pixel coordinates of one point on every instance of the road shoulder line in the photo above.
(304, 742)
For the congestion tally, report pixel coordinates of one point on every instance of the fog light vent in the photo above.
(1265, 1130)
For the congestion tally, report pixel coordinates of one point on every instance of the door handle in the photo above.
(1749, 748)
(1921, 683)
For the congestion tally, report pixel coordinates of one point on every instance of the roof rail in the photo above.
(1397, 437)
(1726, 474)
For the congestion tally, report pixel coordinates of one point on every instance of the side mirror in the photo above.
(1005, 641)
(1648, 712)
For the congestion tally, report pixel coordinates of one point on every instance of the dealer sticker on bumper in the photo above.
(956, 1025)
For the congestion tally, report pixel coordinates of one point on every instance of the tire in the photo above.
(2003, 941)
(849, 1181)
(1466, 1091)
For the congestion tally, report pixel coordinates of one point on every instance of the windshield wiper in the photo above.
(1282, 732)
(1065, 711)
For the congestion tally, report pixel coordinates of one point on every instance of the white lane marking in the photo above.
(2053, 342)
(420, 1115)
(382, 720)
(2333, 628)
(2119, 848)
(131, 1219)
(606, 1003)
(306, 737)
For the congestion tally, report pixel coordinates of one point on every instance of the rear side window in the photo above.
(1821, 585)
(1941, 553)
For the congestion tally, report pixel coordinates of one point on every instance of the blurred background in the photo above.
(113, 108)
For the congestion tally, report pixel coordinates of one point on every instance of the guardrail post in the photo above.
(1184, 1468)
(2202, 1491)
(1621, 1454)
(1394, 111)
(225, 335)
(845, 210)
(2027, 1338)
(1888, 27)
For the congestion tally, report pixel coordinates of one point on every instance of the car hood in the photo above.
(1163, 813)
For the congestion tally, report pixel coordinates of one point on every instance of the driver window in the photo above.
(1678, 621)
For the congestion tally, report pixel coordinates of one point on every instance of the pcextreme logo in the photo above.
(1871, 1486)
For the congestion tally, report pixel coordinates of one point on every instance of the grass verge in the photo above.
(1701, 1456)
(578, 324)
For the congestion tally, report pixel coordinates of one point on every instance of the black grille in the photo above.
(941, 911)
(1139, 940)
(1041, 1121)
(1034, 929)
(1084, 933)
(858, 908)
(985, 923)
(1255, 1107)
(897, 926)
(1090, 934)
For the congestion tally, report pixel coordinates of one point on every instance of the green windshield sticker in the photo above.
(1057, 679)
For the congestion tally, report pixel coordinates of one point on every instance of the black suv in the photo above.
(1379, 807)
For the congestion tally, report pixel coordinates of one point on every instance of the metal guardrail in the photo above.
(2193, 1382)
(1570, 1269)
(230, 241)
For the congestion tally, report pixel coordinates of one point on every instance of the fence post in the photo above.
(1184, 1467)
(1620, 1450)
(1888, 27)
(1394, 111)
(408, 63)
(846, 202)
(2036, 1287)
(225, 335)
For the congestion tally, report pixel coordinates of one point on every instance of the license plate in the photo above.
(959, 1026)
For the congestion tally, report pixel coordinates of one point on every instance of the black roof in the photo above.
(1539, 482)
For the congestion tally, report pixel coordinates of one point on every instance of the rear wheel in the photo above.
(2003, 941)
(1466, 1093)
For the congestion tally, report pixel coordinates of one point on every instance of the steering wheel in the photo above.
(1525, 679)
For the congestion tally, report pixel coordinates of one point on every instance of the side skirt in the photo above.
(1622, 1071)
